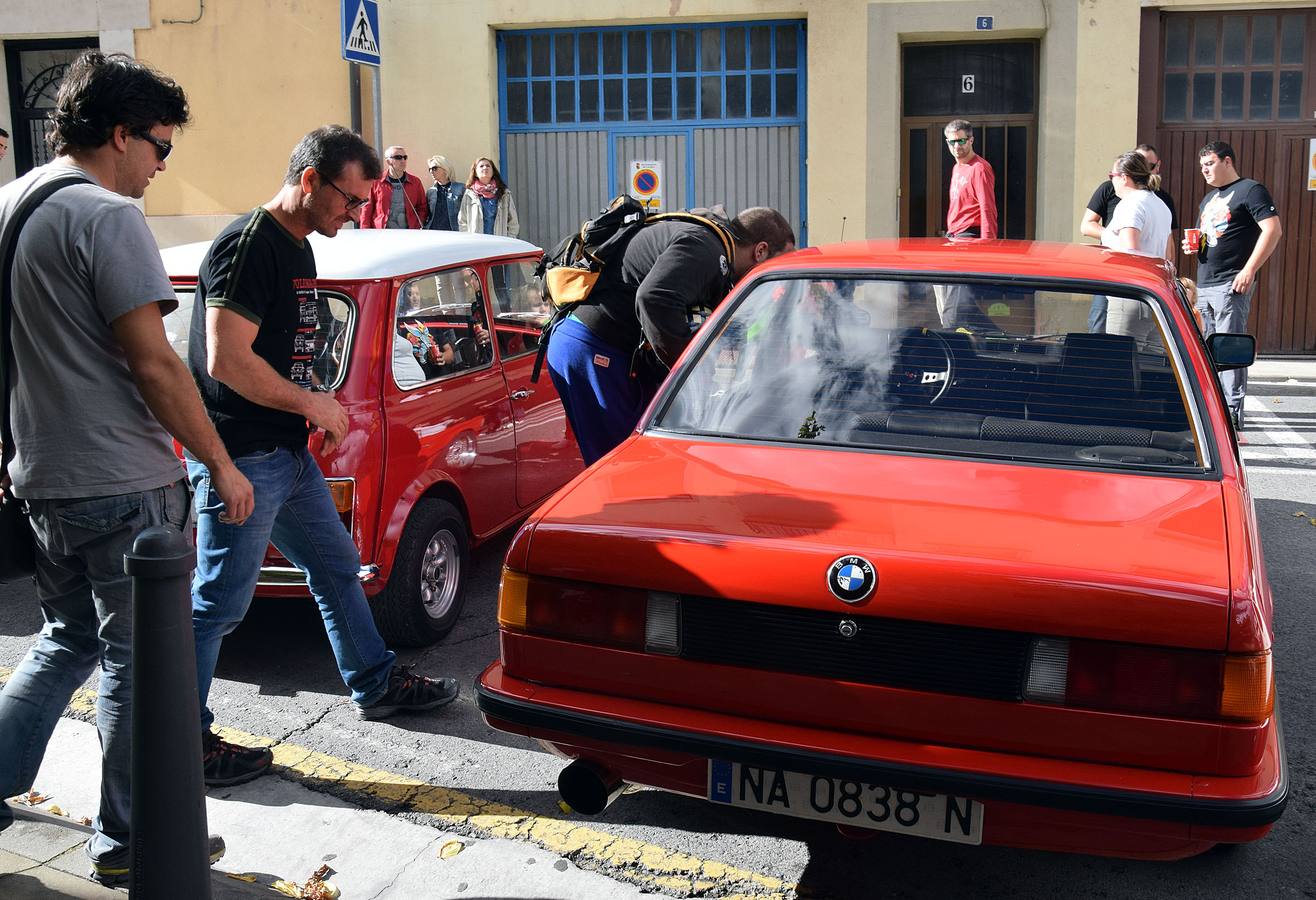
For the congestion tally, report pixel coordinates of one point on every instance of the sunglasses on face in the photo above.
(958, 142)
(162, 148)
(403, 156)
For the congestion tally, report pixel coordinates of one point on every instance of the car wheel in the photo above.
(427, 587)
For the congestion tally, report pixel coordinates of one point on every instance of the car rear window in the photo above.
(332, 337)
(998, 371)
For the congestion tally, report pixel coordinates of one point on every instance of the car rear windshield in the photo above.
(332, 334)
(1056, 375)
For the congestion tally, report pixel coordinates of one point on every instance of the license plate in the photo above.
(846, 802)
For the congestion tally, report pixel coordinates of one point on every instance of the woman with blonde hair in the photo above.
(444, 196)
(487, 206)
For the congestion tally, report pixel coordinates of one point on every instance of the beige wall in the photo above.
(258, 76)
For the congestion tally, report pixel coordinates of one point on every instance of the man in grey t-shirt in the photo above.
(97, 393)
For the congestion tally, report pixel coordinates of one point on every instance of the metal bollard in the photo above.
(170, 858)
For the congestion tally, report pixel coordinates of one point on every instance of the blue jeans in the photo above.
(1097, 314)
(86, 600)
(295, 512)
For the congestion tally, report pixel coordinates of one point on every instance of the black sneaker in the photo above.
(224, 763)
(1238, 419)
(409, 692)
(114, 871)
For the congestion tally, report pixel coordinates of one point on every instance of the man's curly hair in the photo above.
(102, 91)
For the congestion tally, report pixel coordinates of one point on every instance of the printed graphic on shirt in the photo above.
(1215, 217)
(602, 361)
(303, 346)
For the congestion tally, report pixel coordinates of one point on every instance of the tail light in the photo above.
(590, 613)
(1150, 681)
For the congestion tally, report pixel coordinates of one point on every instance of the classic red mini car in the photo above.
(901, 545)
(449, 442)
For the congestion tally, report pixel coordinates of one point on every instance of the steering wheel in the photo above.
(924, 367)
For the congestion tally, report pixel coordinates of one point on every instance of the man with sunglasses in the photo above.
(97, 391)
(254, 324)
(397, 198)
(972, 214)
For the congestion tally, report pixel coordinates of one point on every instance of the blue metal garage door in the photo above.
(720, 106)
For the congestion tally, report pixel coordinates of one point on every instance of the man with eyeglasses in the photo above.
(97, 390)
(397, 198)
(972, 214)
(1097, 216)
(254, 324)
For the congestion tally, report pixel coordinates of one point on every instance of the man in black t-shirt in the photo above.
(1240, 229)
(1097, 216)
(252, 354)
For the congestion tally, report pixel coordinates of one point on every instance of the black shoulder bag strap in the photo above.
(8, 248)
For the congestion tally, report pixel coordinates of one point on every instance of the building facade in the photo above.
(830, 110)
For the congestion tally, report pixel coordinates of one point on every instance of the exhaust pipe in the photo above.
(588, 787)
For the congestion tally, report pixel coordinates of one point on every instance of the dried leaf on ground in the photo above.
(32, 798)
(85, 820)
(1300, 515)
(562, 805)
(55, 810)
(287, 888)
(242, 876)
(451, 849)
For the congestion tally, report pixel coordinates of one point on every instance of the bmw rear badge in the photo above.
(851, 579)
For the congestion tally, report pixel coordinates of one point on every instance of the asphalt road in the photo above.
(277, 678)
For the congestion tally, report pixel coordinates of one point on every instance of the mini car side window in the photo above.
(329, 348)
(520, 309)
(440, 327)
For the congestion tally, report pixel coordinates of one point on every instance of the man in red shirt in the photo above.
(972, 214)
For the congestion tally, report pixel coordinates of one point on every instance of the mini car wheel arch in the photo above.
(427, 586)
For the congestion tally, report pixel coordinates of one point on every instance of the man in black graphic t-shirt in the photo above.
(1240, 229)
(252, 353)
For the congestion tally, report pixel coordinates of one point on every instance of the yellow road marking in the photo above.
(638, 862)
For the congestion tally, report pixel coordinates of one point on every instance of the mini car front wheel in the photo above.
(427, 587)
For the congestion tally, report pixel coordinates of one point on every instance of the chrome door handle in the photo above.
(521, 395)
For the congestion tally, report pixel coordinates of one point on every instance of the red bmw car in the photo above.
(903, 545)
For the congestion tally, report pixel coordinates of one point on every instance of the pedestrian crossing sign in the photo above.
(360, 20)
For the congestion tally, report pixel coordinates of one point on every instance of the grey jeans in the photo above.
(86, 600)
(1225, 311)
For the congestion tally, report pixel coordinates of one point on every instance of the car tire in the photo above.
(424, 595)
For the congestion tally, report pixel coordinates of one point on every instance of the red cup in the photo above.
(1194, 238)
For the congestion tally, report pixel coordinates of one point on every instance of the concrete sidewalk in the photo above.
(276, 829)
(1283, 369)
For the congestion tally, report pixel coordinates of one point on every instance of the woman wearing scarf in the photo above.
(487, 205)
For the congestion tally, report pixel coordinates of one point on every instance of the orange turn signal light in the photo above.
(513, 591)
(1249, 688)
(342, 490)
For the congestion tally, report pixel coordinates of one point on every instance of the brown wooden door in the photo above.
(1009, 144)
(993, 84)
(1247, 78)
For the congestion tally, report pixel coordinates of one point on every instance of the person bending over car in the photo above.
(608, 358)
(254, 316)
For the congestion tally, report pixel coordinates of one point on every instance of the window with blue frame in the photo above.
(740, 72)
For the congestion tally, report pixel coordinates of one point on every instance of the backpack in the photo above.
(571, 270)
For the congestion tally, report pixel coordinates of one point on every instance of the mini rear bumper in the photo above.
(1211, 802)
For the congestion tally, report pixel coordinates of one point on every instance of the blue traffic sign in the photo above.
(361, 31)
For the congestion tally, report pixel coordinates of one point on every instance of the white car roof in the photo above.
(374, 253)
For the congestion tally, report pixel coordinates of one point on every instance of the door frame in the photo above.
(934, 166)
